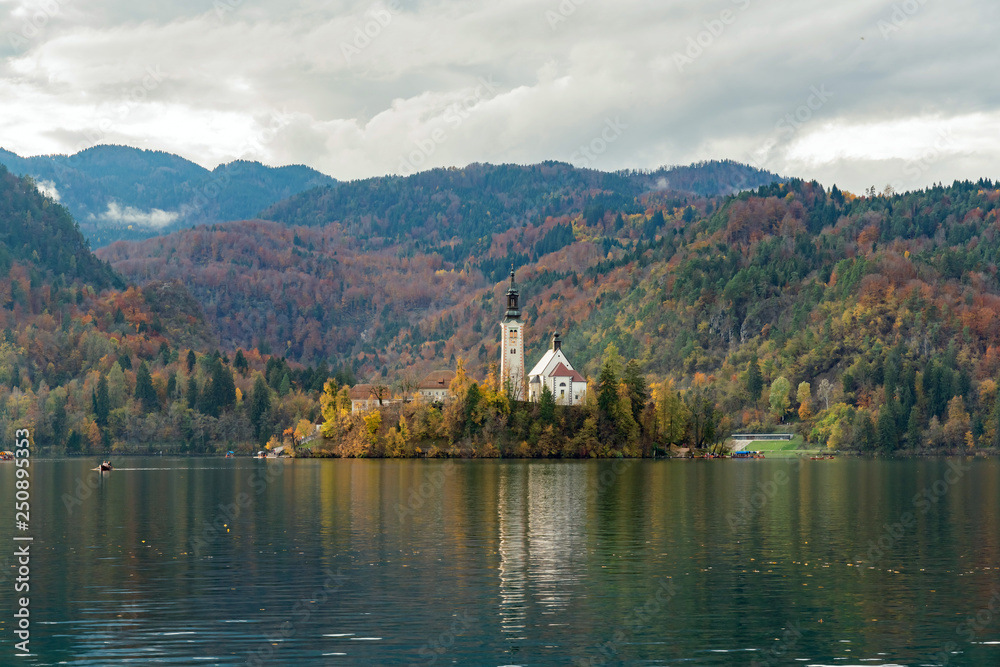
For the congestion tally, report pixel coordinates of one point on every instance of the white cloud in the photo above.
(226, 76)
(129, 215)
(48, 188)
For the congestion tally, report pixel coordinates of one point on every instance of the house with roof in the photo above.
(555, 371)
(363, 399)
(436, 386)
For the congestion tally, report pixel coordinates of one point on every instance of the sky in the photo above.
(856, 93)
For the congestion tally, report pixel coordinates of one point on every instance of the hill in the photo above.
(117, 192)
(865, 322)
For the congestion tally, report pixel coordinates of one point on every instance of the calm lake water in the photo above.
(846, 562)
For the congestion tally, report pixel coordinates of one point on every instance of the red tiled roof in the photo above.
(360, 392)
(561, 371)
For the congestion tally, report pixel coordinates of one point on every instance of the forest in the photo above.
(861, 322)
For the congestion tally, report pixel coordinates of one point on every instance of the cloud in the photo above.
(129, 216)
(355, 88)
(48, 188)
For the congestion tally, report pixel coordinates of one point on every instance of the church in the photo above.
(553, 370)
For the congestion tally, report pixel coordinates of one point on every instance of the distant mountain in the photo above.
(341, 271)
(117, 192)
(456, 211)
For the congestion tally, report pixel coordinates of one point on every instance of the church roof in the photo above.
(549, 361)
(562, 372)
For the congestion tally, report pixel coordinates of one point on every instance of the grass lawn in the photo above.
(776, 445)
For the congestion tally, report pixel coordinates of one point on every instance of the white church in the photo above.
(553, 370)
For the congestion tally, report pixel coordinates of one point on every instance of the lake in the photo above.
(309, 562)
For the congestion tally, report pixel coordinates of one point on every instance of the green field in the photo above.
(776, 445)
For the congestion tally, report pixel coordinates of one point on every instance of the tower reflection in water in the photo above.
(542, 514)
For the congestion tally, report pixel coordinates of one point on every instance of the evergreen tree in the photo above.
(546, 406)
(607, 399)
(888, 439)
(102, 404)
(144, 391)
(753, 380)
(260, 408)
(125, 361)
(240, 363)
(191, 360)
(285, 385)
(192, 393)
(638, 394)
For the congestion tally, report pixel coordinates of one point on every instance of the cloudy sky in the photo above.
(856, 92)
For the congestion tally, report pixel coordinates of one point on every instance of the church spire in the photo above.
(513, 295)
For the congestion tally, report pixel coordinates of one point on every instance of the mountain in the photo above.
(38, 233)
(867, 322)
(402, 248)
(456, 212)
(117, 192)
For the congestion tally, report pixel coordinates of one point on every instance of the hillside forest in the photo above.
(865, 323)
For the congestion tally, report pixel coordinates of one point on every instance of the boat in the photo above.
(230, 455)
(6, 456)
(105, 466)
(262, 454)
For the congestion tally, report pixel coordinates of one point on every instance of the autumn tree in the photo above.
(779, 398)
(804, 396)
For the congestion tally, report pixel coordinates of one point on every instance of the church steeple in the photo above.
(513, 294)
(512, 342)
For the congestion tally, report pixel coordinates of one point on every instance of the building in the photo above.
(363, 399)
(555, 371)
(436, 386)
(512, 343)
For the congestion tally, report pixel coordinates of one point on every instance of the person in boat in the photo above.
(106, 465)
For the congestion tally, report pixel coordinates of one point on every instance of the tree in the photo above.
(825, 391)
(804, 397)
(144, 391)
(260, 408)
(191, 395)
(546, 406)
(607, 399)
(191, 360)
(102, 404)
(672, 415)
(117, 387)
(958, 423)
(379, 391)
(780, 399)
(637, 393)
(888, 438)
(240, 363)
(753, 381)
(703, 419)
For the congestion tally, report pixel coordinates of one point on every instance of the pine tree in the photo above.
(546, 406)
(260, 408)
(638, 394)
(192, 393)
(240, 363)
(888, 439)
(191, 360)
(754, 381)
(144, 391)
(102, 404)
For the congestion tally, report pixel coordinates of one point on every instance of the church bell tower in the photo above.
(512, 342)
